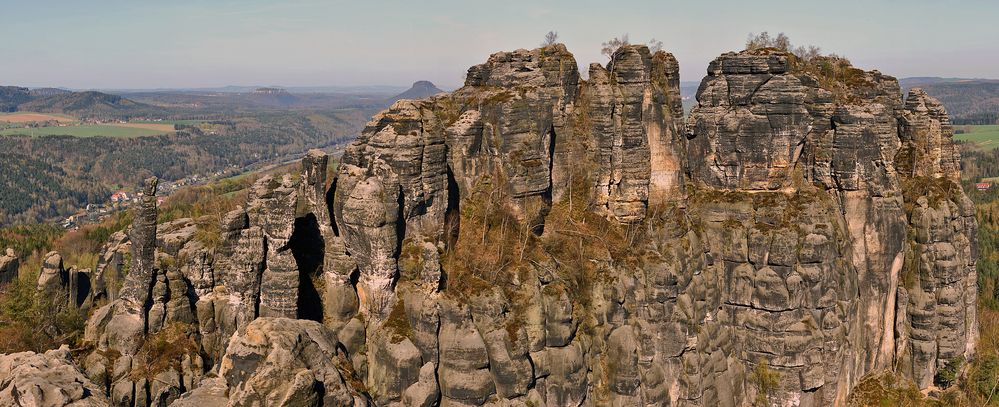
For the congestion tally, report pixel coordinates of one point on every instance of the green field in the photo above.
(187, 122)
(87, 130)
(985, 137)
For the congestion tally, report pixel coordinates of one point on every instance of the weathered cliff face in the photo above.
(536, 239)
(829, 252)
(8, 266)
(634, 118)
(937, 302)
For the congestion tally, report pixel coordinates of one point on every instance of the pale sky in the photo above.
(187, 43)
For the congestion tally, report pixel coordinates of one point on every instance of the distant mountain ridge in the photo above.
(419, 90)
(88, 104)
(46, 92)
(969, 101)
(12, 96)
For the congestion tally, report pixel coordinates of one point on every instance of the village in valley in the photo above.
(124, 199)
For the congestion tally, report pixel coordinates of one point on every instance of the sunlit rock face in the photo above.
(534, 238)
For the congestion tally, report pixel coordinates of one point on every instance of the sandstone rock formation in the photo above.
(8, 266)
(537, 239)
(284, 362)
(49, 379)
(779, 237)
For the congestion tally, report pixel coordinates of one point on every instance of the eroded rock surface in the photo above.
(8, 266)
(536, 239)
(286, 362)
(46, 380)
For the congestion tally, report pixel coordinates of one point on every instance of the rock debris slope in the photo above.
(536, 239)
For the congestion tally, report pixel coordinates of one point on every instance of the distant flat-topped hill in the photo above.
(419, 90)
(274, 97)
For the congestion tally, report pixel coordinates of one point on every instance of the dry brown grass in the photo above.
(491, 241)
(397, 323)
(166, 350)
(496, 249)
(27, 117)
(166, 128)
(883, 389)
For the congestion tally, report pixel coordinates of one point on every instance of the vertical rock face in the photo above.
(137, 288)
(53, 278)
(72, 287)
(635, 118)
(768, 147)
(926, 135)
(937, 290)
(536, 239)
(273, 208)
(391, 184)
(520, 101)
(8, 266)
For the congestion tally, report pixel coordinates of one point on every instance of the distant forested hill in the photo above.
(46, 177)
(85, 105)
(968, 101)
(13, 96)
(90, 104)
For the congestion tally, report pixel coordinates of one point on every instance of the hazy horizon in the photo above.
(187, 44)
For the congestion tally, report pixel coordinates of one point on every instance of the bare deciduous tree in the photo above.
(608, 48)
(807, 53)
(550, 39)
(655, 45)
(783, 43)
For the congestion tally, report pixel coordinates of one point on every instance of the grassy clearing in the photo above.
(94, 130)
(164, 127)
(985, 137)
(170, 122)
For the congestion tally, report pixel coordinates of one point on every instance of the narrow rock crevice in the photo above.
(452, 215)
(306, 245)
(330, 195)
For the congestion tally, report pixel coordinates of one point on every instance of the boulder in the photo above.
(8, 266)
(48, 379)
(287, 362)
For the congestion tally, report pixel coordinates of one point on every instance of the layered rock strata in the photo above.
(536, 239)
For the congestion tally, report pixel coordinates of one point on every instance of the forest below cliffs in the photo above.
(55, 176)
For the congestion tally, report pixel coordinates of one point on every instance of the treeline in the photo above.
(48, 177)
(32, 189)
(968, 102)
(85, 105)
(977, 164)
(979, 118)
(30, 322)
